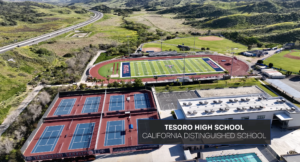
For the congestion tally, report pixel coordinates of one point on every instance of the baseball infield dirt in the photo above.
(210, 38)
(155, 49)
(291, 56)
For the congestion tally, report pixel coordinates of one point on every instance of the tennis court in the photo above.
(116, 103)
(91, 104)
(141, 101)
(83, 136)
(115, 133)
(65, 106)
(48, 140)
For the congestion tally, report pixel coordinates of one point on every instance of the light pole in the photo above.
(161, 46)
(194, 44)
(183, 70)
(232, 59)
(128, 55)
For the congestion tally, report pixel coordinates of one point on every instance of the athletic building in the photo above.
(84, 124)
(280, 111)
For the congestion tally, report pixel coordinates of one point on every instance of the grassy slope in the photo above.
(13, 79)
(104, 31)
(280, 61)
(25, 30)
(221, 46)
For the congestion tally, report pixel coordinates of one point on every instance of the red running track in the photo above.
(239, 67)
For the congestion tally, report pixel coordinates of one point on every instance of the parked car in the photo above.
(274, 48)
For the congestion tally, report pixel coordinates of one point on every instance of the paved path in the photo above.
(13, 115)
(86, 71)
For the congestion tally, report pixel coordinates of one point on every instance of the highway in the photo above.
(41, 38)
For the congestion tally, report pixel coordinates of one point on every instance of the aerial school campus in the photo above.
(102, 125)
(129, 83)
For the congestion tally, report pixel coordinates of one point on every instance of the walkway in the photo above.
(13, 115)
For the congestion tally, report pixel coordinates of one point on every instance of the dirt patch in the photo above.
(155, 49)
(291, 56)
(211, 38)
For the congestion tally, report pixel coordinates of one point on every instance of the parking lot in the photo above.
(169, 100)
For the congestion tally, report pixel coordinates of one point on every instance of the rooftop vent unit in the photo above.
(251, 107)
(206, 111)
(226, 109)
(293, 108)
(194, 112)
(205, 102)
(190, 103)
(257, 107)
(235, 100)
(189, 112)
(212, 110)
(201, 103)
(244, 108)
(283, 100)
(238, 108)
(242, 99)
(215, 101)
(184, 104)
(261, 107)
(264, 97)
(247, 99)
(221, 109)
(259, 98)
(230, 100)
(220, 101)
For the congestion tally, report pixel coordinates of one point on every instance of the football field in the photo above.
(147, 68)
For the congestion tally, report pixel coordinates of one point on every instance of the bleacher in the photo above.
(164, 53)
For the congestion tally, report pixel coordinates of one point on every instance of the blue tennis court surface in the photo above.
(65, 106)
(284, 87)
(48, 140)
(115, 133)
(91, 104)
(141, 101)
(82, 136)
(116, 103)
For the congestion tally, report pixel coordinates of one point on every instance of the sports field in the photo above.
(287, 60)
(166, 67)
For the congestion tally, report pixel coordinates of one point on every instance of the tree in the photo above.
(82, 86)
(260, 62)
(122, 84)
(109, 85)
(167, 87)
(271, 65)
(156, 77)
(108, 78)
(129, 84)
(95, 80)
(116, 84)
(199, 83)
(44, 98)
(138, 83)
(8, 145)
(18, 135)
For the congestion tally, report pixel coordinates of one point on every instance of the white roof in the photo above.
(283, 116)
(192, 107)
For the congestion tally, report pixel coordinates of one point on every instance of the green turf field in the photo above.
(279, 61)
(150, 68)
(221, 46)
